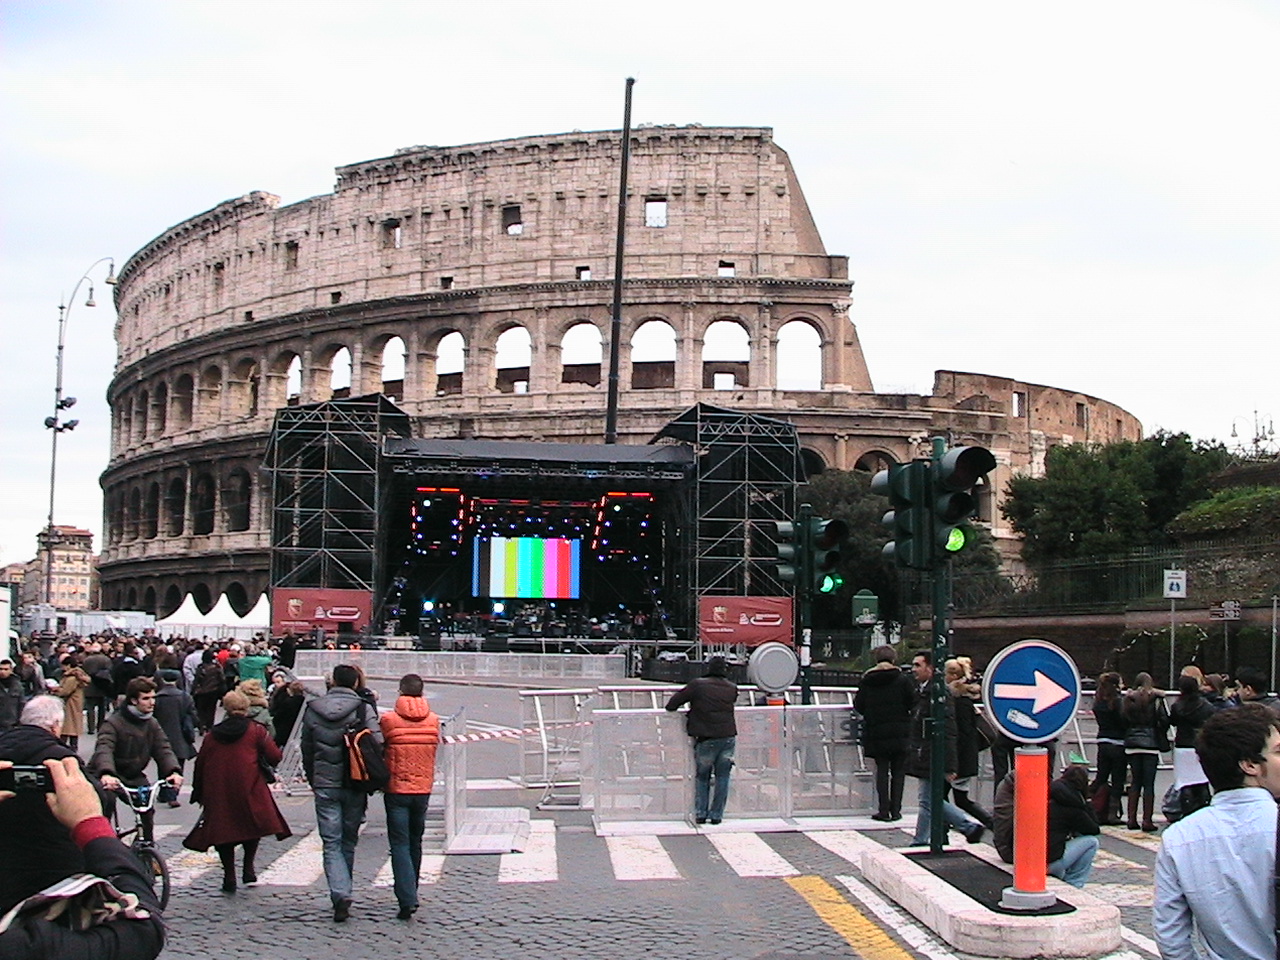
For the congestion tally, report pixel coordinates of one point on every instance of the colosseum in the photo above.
(471, 286)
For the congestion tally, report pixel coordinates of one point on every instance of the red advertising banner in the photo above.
(299, 610)
(747, 620)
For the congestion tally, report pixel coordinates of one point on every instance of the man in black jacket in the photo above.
(885, 699)
(715, 734)
(136, 933)
(11, 696)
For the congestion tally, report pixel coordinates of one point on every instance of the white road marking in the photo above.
(1104, 858)
(640, 858)
(1139, 941)
(188, 866)
(162, 830)
(537, 863)
(897, 920)
(1124, 894)
(299, 866)
(429, 872)
(750, 856)
(848, 844)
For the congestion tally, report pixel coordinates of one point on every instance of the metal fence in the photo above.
(792, 761)
(513, 666)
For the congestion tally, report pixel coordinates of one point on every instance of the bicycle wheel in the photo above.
(153, 866)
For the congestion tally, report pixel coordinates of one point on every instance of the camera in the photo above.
(21, 777)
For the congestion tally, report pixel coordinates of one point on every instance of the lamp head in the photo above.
(70, 425)
(89, 302)
(111, 274)
(66, 402)
(51, 422)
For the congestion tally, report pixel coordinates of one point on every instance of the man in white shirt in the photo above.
(1215, 869)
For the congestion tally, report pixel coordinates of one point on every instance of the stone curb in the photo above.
(1093, 930)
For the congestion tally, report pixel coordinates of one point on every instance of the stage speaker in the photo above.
(496, 643)
(429, 640)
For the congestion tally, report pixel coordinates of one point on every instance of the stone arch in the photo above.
(132, 597)
(210, 400)
(175, 507)
(450, 353)
(126, 420)
(245, 388)
(203, 596)
(582, 354)
(160, 403)
(149, 601)
(151, 512)
(133, 514)
(335, 363)
(142, 402)
(873, 461)
(393, 367)
(653, 355)
(183, 401)
(204, 505)
(726, 355)
(799, 356)
(172, 600)
(237, 500)
(512, 360)
(285, 383)
(238, 597)
(812, 461)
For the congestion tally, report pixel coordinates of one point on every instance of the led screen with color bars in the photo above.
(526, 568)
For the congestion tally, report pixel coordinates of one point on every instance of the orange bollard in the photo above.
(1030, 831)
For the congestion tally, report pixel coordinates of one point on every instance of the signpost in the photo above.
(1032, 691)
(1175, 589)
(1226, 611)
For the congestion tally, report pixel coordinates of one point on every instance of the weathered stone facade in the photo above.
(228, 316)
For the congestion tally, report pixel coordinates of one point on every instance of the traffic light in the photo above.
(907, 485)
(826, 539)
(789, 548)
(954, 477)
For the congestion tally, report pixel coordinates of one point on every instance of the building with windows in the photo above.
(472, 286)
(66, 561)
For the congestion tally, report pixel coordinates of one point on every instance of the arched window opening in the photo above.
(175, 507)
(393, 357)
(512, 357)
(203, 597)
(151, 522)
(237, 495)
(149, 601)
(140, 416)
(126, 421)
(812, 462)
(293, 381)
(799, 357)
(726, 356)
(183, 401)
(246, 387)
(161, 407)
(340, 374)
(133, 514)
(450, 358)
(873, 461)
(238, 597)
(211, 395)
(133, 598)
(203, 505)
(581, 355)
(172, 600)
(653, 356)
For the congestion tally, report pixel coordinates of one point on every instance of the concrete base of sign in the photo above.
(1092, 930)
(1013, 899)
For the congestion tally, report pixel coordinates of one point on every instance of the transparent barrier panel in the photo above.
(453, 762)
(643, 766)
(826, 775)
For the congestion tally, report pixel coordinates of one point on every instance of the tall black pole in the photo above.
(615, 327)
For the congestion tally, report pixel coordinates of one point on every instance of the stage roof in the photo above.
(499, 457)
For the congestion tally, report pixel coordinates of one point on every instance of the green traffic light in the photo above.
(831, 582)
(956, 539)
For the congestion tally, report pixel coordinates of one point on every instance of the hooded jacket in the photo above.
(711, 700)
(324, 723)
(884, 699)
(411, 735)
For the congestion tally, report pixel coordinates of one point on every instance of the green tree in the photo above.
(1097, 500)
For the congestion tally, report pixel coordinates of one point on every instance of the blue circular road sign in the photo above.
(1031, 690)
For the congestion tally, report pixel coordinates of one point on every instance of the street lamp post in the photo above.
(60, 403)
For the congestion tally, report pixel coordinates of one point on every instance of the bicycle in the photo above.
(142, 800)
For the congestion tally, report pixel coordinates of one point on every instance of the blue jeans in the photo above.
(339, 813)
(954, 816)
(1076, 862)
(712, 758)
(406, 820)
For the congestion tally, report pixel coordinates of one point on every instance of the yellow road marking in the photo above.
(840, 915)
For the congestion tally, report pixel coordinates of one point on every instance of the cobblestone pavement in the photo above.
(571, 894)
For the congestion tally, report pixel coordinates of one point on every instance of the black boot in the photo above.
(971, 808)
(249, 874)
(227, 854)
(1133, 809)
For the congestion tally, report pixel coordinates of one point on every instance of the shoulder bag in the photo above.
(366, 767)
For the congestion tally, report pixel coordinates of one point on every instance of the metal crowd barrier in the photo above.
(458, 665)
(554, 725)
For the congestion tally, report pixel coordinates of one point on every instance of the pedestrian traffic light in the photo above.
(910, 522)
(954, 477)
(826, 540)
(789, 548)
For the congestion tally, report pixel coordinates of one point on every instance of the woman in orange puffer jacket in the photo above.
(411, 734)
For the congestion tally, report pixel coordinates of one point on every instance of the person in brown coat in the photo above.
(229, 784)
(71, 689)
(411, 735)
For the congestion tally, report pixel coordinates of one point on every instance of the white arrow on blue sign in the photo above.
(1031, 690)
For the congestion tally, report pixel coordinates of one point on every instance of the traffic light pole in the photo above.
(804, 598)
(940, 576)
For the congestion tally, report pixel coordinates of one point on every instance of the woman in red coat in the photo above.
(229, 784)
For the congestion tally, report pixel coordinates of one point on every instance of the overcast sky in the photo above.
(1085, 195)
